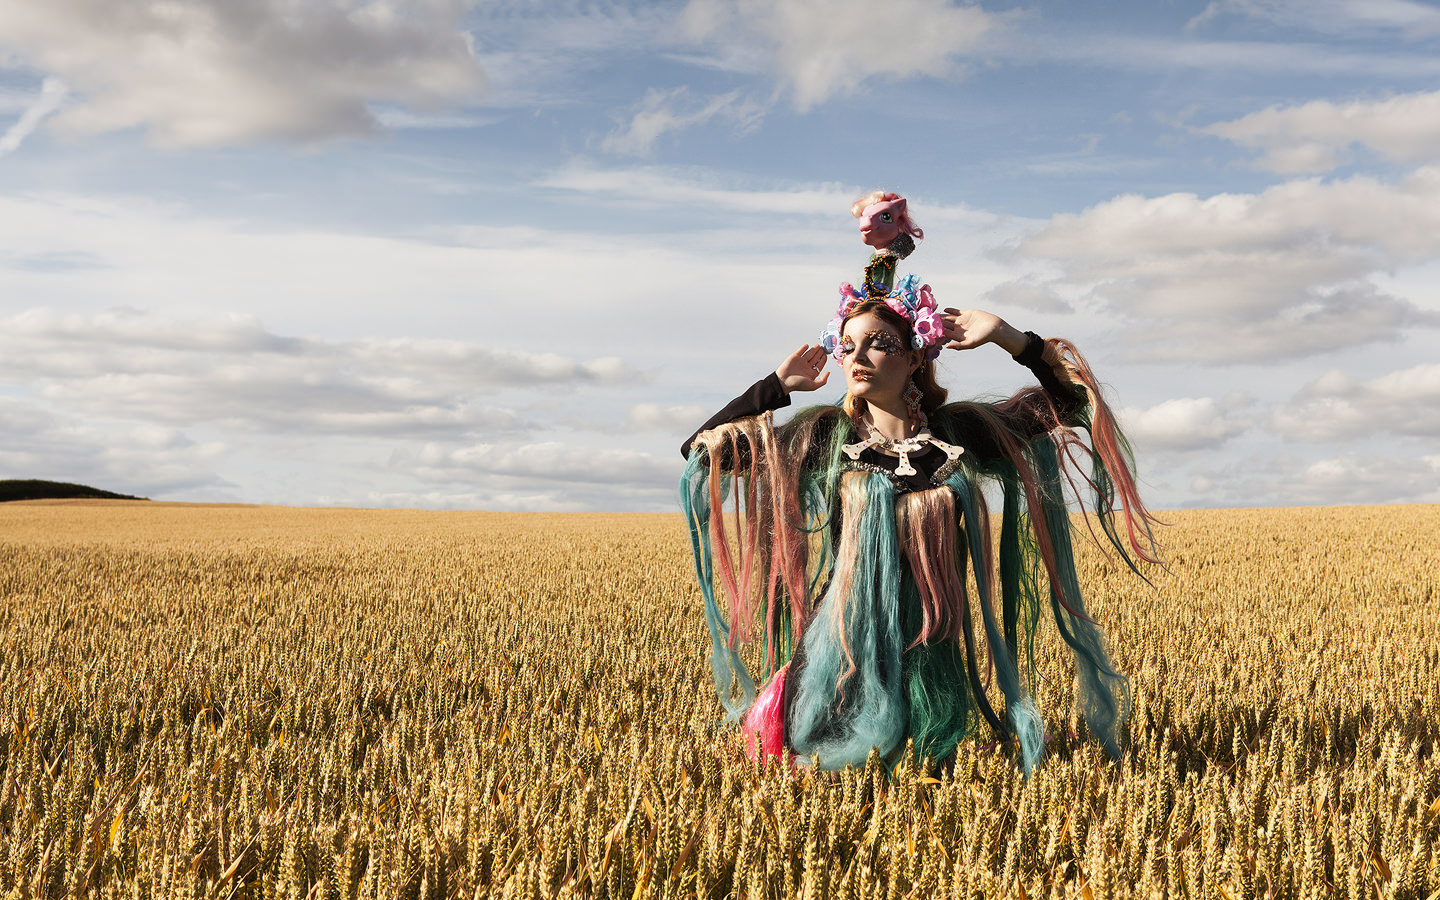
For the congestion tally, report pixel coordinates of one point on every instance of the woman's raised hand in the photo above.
(801, 370)
(966, 329)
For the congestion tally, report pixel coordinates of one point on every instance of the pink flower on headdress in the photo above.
(898, 305)
(926, 298)
(927, 327)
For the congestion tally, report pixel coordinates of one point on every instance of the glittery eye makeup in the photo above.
(884, 341)
(847, 346)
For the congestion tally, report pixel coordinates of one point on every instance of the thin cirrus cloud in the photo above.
(663, 112)
(1337, 407)
(1318, 136)
(818, 51)
(1341, 17)
(53, 92)
(232, 371)
(1281, 274)
(214, 72)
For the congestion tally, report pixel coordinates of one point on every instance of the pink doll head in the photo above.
(883, 217)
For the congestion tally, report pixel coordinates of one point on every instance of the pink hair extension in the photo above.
(723, 440)
(764, 724)
(985, 571)
(1105, 438)
(925, 527)
(770, 546)
(853, 499)
(1012, 449)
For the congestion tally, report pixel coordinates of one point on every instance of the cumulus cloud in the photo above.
(52, 94)
(546, 461)
(674, 419)
(1318, 136)
(144, 460)
(231, 370)
(1336, 480)
(504, 495)
(1182, 423)
(664, 112)
(214, 72)
(818, 50)
(1337, 407)
(1029, 293)
(1284, 273)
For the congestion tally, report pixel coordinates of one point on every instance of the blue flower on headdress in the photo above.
(907, 291)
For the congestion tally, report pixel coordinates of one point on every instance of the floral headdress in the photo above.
(911, 300)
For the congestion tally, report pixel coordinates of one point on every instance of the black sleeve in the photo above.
(765, 395)
(1067, 398)
(1028, 420)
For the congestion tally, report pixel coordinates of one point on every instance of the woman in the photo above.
(861, 519)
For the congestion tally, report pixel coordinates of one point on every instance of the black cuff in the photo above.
(1034, 350)
(774, 396)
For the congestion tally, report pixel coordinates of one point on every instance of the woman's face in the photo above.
(876, 360)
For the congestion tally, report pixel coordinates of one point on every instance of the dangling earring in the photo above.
(912, 396)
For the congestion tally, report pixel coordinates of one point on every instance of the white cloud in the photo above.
(506, 495)
(1336, 407)
(819, 49)
(1339, 17)
(664, 112)
(1144, 53)
(230, 370)
(547, 461)
(52, 94)
(653, 186)
(1284, 273)
(681, 419)
(1343, 479)
(1317, 136)
(1182, 423)
(143, 460)
(214, 72)
(1028, 293)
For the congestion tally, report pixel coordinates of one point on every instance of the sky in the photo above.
(507, 255)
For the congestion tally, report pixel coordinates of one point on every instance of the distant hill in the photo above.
(33, 489)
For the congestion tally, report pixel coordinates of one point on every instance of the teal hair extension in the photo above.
(1020, 709)
(725, 664)
(1103, 486)
(1104, 692)
(943, 709)
(1020, 570)
(848, 699)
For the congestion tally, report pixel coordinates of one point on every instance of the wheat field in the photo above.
(223, 702)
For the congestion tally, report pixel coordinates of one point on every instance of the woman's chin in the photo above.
(867, 390)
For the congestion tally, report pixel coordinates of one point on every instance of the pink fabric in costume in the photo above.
(766, 720)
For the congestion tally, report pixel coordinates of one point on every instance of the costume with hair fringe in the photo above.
(853, 578)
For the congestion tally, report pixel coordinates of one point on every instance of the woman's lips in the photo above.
(861, 374)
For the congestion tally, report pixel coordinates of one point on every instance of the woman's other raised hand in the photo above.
(801, 370)
(966, 329)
